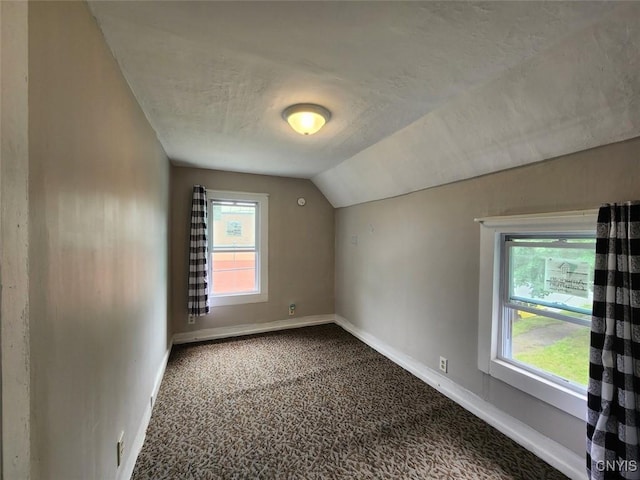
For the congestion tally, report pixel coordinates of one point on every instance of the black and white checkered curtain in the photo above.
(614, 372)
(198, 254)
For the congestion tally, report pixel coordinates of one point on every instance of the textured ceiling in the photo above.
(422, 93)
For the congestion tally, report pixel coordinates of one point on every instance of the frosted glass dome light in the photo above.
(306, 118)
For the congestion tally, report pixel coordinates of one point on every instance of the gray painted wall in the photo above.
(14, 292)
(99, 183)
(412, 278)
(301, 248)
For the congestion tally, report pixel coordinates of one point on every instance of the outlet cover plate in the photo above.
(444, 364)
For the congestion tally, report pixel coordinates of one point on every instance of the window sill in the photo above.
(223, 300)
(565, 399)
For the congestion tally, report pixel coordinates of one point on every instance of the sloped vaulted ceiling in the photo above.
(422, 93)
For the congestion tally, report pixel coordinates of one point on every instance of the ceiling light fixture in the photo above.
(306, 118)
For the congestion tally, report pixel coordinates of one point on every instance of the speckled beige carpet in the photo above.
(315, 403)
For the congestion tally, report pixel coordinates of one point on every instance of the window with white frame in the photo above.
(238, 245)
(536, 292)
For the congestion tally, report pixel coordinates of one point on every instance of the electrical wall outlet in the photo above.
(191, 320)
(292, 309)
(444, 364)
(120, 449)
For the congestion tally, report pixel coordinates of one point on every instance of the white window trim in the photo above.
(262, 247)
(491, 231)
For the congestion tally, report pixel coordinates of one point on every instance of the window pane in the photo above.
(558, 278)
(234, 227)
(234, 272)
(234, 248)
(549, 296)
(548, 345)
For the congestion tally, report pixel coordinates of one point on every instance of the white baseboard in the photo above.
(249, 329)
(126, 470)
(555, 454)
(159, 376)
